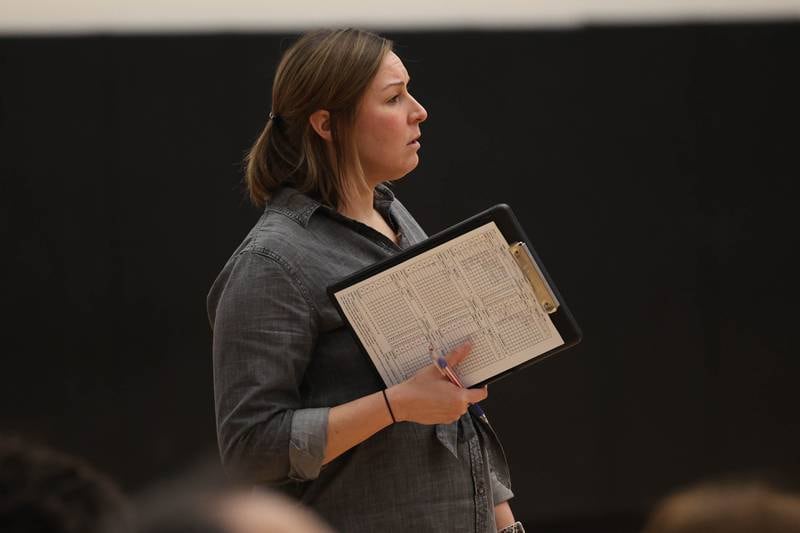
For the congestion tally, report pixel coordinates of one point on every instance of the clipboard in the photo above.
(397, 360)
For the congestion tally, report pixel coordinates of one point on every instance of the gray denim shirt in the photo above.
(283, 357)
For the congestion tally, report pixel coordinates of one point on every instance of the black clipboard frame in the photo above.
(503, 216)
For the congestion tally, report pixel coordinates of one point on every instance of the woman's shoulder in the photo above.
(282, 230)
(268, 256)
(272, 246)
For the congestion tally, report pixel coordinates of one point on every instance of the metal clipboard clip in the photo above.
(542, 290)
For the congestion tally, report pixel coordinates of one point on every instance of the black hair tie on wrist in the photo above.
(388, 405)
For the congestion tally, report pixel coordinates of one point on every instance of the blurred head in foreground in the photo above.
(45, 491)
(258, 512)
(205, 502)
(727, 508)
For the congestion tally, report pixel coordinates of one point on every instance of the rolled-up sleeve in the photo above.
(500, 493)
(264, 327)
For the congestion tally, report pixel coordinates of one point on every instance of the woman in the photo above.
(297, 404)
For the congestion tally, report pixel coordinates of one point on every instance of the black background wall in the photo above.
(654, 167)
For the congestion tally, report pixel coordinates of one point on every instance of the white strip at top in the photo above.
(90, 16)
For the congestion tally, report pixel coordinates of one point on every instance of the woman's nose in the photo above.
(420, 113)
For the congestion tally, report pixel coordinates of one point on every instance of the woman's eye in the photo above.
(394, 99)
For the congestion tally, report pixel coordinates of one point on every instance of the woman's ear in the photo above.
(320, 120)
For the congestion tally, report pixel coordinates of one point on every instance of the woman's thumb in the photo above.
(459, 353)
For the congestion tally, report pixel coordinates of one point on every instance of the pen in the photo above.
(441, 363)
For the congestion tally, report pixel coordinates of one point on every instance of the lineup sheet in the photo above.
(469, 288)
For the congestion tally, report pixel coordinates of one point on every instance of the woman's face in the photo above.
(387, 124)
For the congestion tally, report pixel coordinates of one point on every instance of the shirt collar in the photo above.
(383, 199)
(293, 203)
(300, 207)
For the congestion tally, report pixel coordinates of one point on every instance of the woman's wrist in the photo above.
(388, 406)
(395, 402)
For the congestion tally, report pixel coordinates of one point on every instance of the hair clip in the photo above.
(273, 117)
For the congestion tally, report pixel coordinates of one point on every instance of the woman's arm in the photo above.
(264, 331)
(503, 517)
(426, 398)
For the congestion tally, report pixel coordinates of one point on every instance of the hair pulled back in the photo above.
(324, 69)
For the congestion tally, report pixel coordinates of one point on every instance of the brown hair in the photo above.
(42, 489)
(324, 69)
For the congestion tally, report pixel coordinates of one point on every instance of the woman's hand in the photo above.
(426, 398)
(429, 398)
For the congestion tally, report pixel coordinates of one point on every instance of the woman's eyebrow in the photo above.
(396, 83)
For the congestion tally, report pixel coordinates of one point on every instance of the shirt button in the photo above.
(481, 490)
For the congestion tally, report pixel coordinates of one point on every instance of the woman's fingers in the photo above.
(459, 353)
(431, 398)
(476, 395)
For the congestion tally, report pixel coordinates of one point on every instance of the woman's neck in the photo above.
(361, 207)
